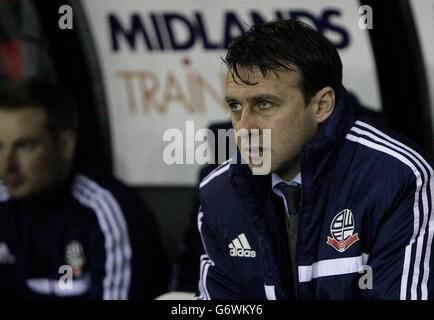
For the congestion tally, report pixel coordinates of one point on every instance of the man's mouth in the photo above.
(254, 152)
(13, 182)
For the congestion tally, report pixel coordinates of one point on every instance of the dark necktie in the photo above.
(292, 197)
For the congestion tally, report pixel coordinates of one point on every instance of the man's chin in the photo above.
(259, 165)
(17, 195)
(19, 192)
(260, 168)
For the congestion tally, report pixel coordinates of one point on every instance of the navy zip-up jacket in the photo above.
(95, 229)
(365, 226)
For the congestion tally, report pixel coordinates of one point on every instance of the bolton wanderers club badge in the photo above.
(75, 257)
(341, 229)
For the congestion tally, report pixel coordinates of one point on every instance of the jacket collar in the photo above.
(318, 155)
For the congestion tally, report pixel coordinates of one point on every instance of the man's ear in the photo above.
(66, 144)
(323, 104)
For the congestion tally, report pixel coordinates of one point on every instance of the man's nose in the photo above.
(247, 120)
(246, 128)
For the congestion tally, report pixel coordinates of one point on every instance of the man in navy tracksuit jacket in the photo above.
(366, 219)
(67, 231)
(95, 225)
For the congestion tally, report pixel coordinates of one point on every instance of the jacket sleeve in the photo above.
(217, 281)
(401, 257)
(126, 257)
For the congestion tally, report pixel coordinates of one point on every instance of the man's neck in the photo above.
(290, 172)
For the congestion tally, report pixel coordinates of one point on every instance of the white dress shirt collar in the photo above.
(275, 180)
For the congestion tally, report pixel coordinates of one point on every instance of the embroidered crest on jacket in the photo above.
(342, 229)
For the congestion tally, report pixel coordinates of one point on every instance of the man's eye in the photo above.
(27, 146)
(235, 107)
(264, 104)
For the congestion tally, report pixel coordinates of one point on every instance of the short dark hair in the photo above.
(41, 93)
(278, 45)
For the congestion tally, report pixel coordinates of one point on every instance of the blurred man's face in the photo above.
(274, 103)
(29, 161)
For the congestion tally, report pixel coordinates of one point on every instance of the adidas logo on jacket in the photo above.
(240, 247)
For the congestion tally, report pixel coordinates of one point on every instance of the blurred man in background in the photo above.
(67, 231)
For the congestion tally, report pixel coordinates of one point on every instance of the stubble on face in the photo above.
(273, 102)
